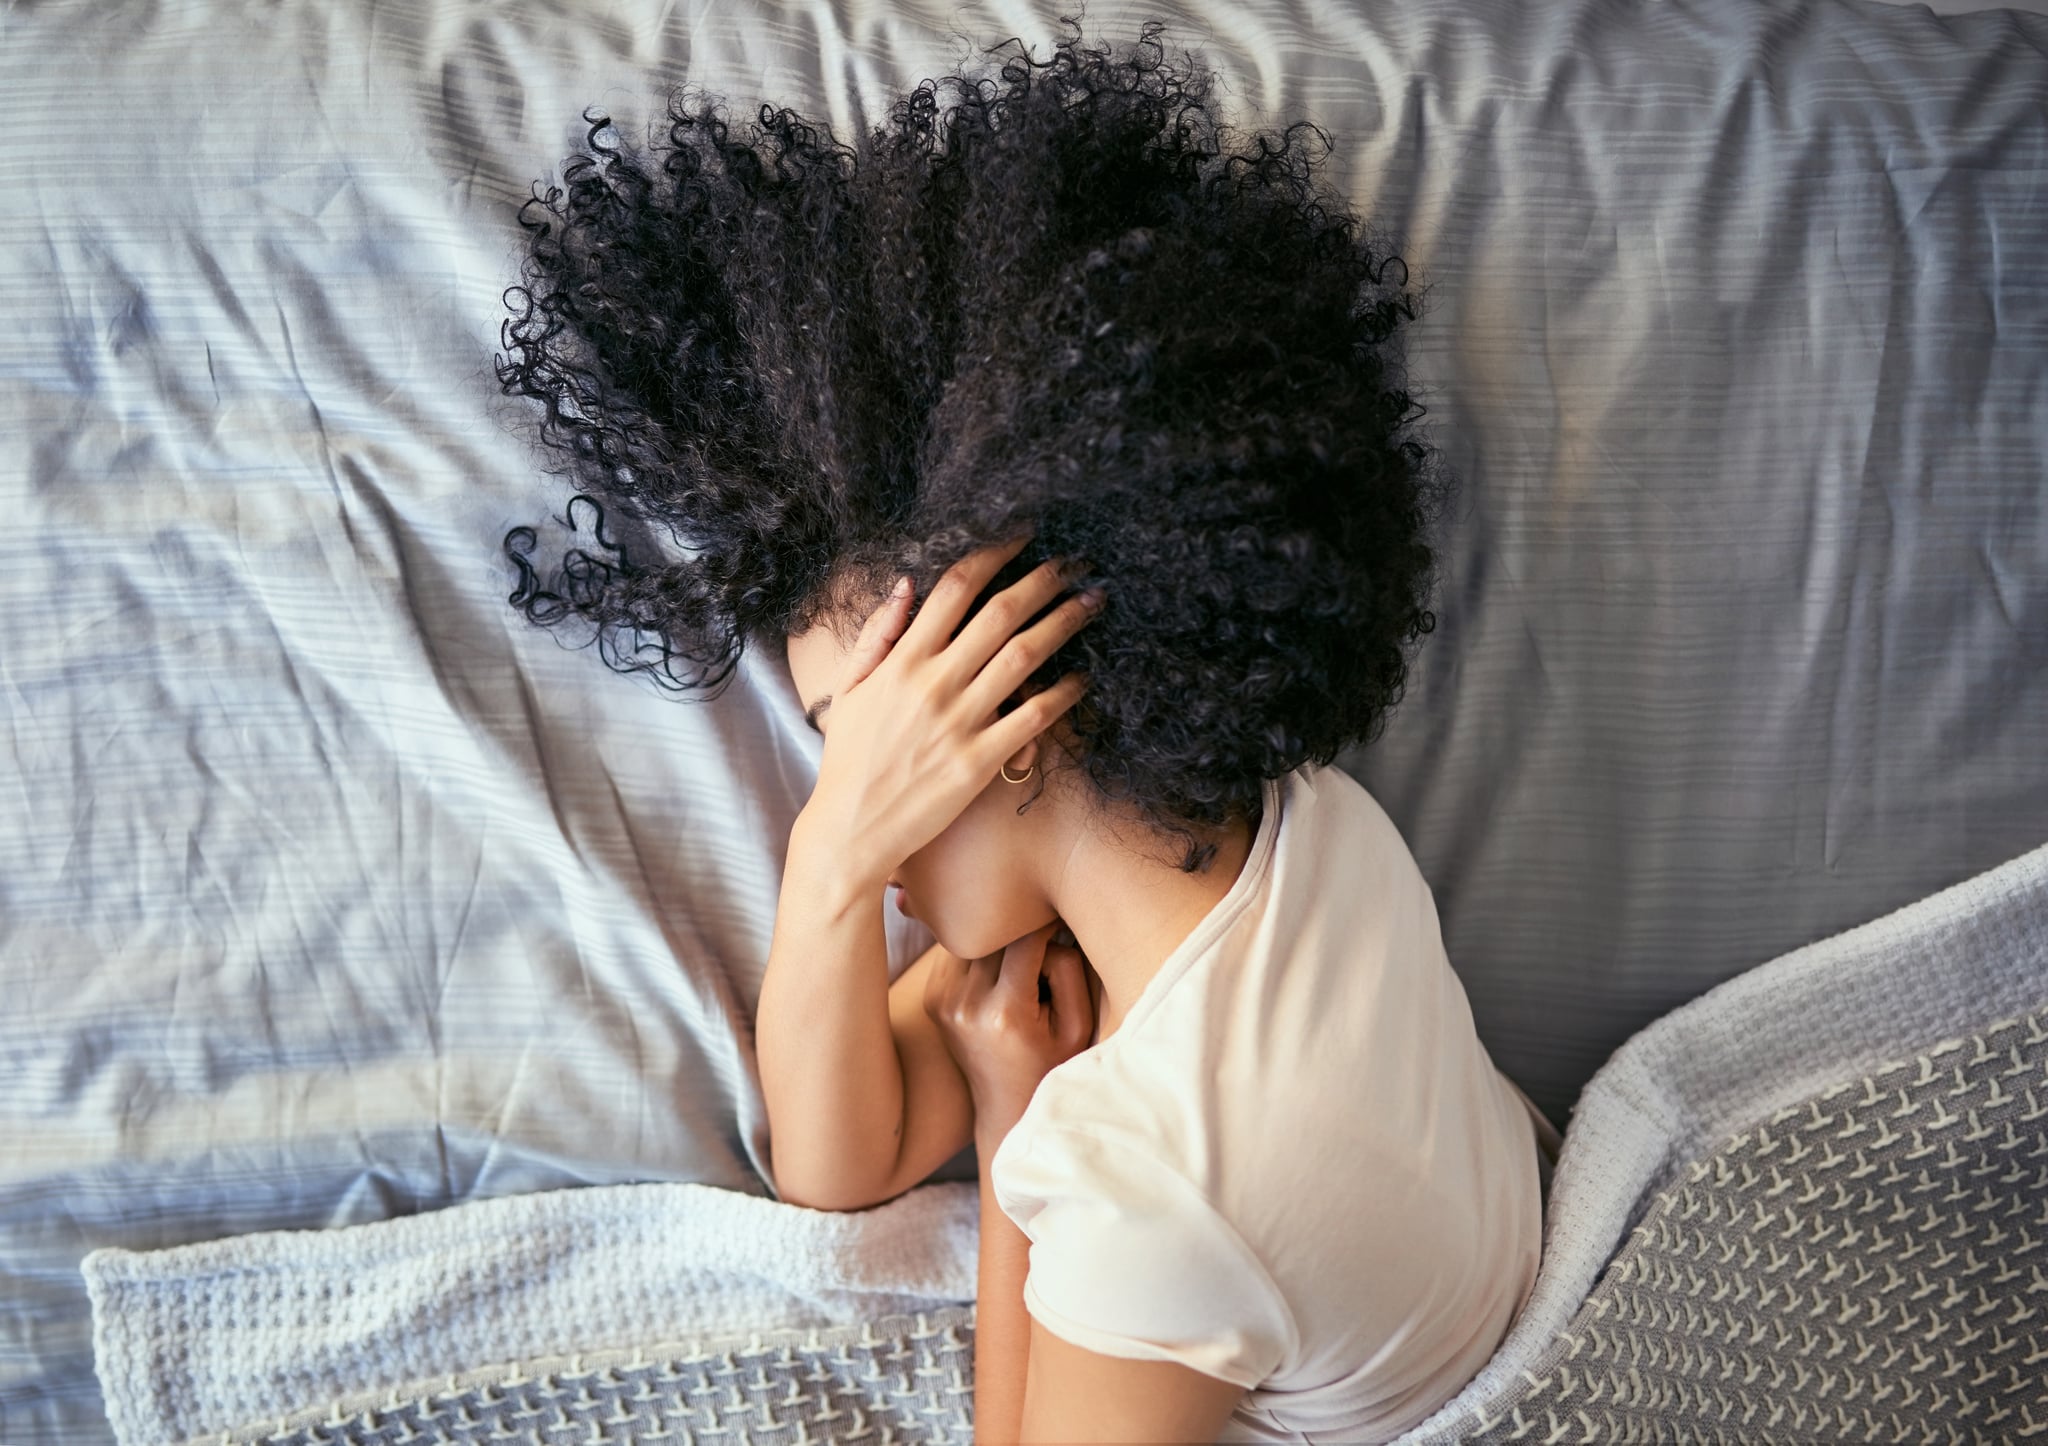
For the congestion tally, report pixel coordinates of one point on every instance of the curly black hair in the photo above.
(1056, 306)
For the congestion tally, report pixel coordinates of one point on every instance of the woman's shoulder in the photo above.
(1329, 800)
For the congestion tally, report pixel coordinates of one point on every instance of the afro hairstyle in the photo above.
(1064, 300)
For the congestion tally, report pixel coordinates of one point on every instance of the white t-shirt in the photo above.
(1293, 1166)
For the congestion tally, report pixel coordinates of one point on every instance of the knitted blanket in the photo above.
(1811, 1204)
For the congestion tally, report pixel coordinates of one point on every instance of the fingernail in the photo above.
(1093, 599)
(902, 587)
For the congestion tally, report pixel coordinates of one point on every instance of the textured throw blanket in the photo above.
(496, 1309)
(1811, 1204)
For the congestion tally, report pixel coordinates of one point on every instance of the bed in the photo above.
(335, 894)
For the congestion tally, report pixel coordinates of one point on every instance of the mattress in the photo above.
(331, 891)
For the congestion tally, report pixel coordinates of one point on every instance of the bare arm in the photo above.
(1002, 1324)
(829, 1070)
(897, 768)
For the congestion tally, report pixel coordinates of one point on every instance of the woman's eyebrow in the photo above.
(816, 711)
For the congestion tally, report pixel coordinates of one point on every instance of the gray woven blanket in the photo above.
(1812, 1205)
(1870, 1264)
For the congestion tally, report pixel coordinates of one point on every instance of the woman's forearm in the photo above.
(830, 1074)
(1002, 1326)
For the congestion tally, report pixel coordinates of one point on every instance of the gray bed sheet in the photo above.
(330, 891)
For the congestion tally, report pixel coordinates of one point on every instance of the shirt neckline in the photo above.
(1275, 798)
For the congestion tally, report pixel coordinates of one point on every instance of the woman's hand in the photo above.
(1003, 1037)
(913, 734)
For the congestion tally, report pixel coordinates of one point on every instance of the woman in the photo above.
(1246, 1169)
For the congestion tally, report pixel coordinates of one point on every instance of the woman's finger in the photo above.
(984, 976)
(956, 988)
(1073, 1017)
(939, 618)
(1022, 655)
(1005, 735)
(1000, 618)
(879, 634)
(938, 984)
(1023, 959)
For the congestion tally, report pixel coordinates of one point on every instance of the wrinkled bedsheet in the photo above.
(331, 891)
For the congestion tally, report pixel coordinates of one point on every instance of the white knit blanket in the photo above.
(236, 1335)
(192, 1341)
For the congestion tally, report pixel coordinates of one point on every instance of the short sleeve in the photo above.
(1128, 1258)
